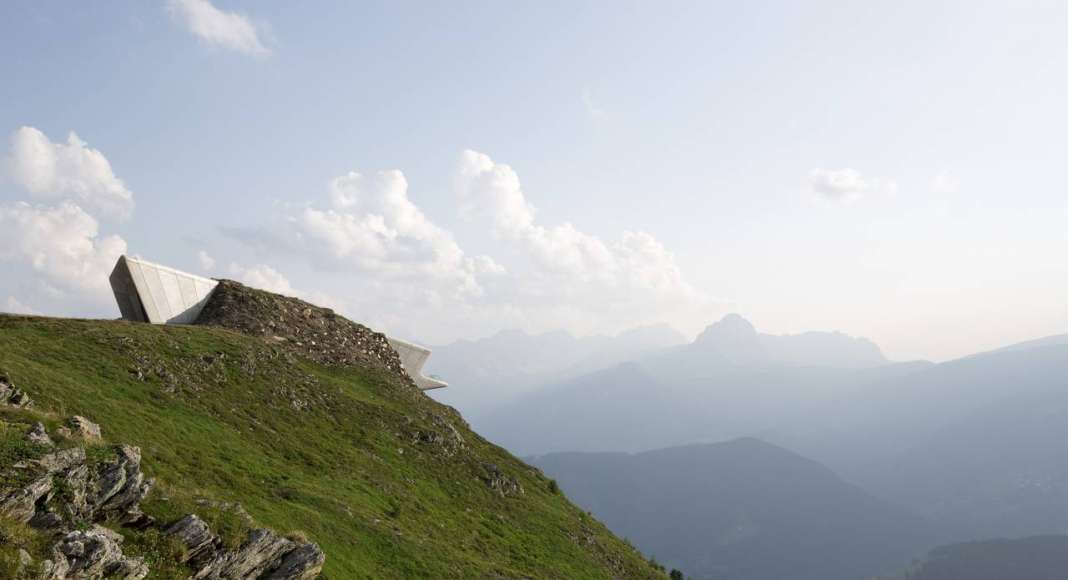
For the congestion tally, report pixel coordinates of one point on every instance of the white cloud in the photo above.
(372, 225)
(226, 29)
(60, 242)
(592, 107)
(15, 306)
(637, 260)
(945, 183)
(267, 278)
(845, 185)
(207, 263)
(54, 170)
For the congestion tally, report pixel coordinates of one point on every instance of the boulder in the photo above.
(22, 504)
(97, 553)
(38, 435)
(84, 428)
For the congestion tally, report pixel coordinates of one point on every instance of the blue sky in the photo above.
(887, 169)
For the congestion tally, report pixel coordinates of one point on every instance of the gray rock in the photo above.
(262, 551)
(46, 520)
(25, 561)
(62, 460)
(22, 504)
(39, 435)
(304, 563)
(97, 553)
(201, 545)
(13, 396)
(84, 428)
(120, 486)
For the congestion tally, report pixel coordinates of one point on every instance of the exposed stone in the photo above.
(12, 396)
(315, 333)
(62, 460)
(25, 561)
(201, 545)
(97, 553)
(304, 563)
(39, 435)
(84, 428)
(500, 482)
(121, 486)
(261, 552)
(22, 504)
(46, 520)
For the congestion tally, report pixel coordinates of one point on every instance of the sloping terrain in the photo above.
(1031, 558)
(388, 482)
(741, 510)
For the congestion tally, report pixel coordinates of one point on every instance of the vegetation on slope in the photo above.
(388, 482)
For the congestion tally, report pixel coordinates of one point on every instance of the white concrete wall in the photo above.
(148, 292)
(413, 357)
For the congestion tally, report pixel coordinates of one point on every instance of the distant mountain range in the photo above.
(487, 373)
(741, 510)
(1031, 558)
(730, 382)
(976, 444)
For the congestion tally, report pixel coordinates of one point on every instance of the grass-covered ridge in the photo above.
(390, 483)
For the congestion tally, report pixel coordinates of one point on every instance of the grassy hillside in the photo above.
(388, 482)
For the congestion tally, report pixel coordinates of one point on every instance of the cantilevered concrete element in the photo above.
(148, 292)
(413, 357)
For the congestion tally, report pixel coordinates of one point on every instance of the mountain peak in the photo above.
(732, 327)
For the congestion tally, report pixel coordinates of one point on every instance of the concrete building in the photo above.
(149, 292)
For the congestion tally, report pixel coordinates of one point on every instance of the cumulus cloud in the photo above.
(13, 305)
(845, 185)
(371, 224)
(637, 261)
(216, 27)
(72, 169)
(62, 243)
(945, 183)
(207, 263)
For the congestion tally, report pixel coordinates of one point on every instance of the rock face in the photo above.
(262, 555)
(84, 428)
(315, 333)
(66, 496)
(11, 396)
(94, 553)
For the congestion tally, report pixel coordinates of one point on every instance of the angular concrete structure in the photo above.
(148, 292)
(413, 357)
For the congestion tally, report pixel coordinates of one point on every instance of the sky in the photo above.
(892, 170)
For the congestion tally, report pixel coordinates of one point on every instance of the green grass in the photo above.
(340, 456)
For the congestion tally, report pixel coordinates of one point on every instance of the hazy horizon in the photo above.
(437, 172)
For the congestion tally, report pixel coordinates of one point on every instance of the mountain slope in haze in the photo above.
(1031, 558)
(486, 373)
(730, 382)
(976, 443)
(388, 482)
(740, 510)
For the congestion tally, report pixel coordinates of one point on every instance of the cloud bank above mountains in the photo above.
(408, 271)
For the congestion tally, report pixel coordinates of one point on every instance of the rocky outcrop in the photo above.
(62, 494)
(262, 555)
(93, 553)
(11, 396)
(85, 429)
(499, 481)
(315, 333)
